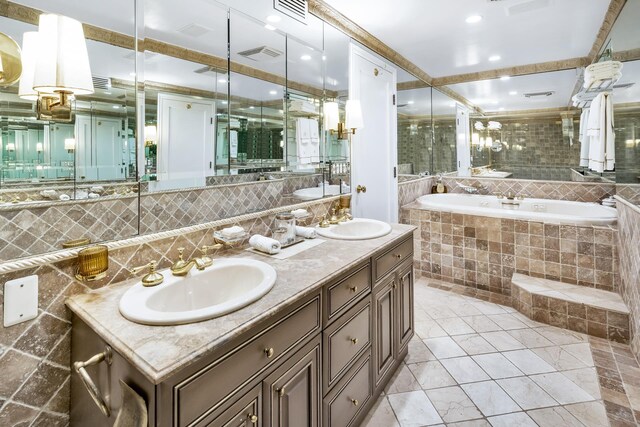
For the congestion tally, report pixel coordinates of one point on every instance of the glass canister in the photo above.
(285, 231)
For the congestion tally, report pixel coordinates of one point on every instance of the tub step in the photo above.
(591, 311)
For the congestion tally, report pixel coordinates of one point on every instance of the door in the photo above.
(374, 147)
(293, 390)
(186, 139)
(85, 169)
(246, 411)
(463, 141)
(384, 307)
(405, 308)
(109, 147)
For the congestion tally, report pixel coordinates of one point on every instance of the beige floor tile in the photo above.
(488, 308)
(526, 393)
(527, 321)
(561, 388)
(453, 404)
(429, 329)
(530, 338)
(591, 414)
(528, 362)
(381, 415)
(560, 336)
(472, 423)
(402, 381)
(581, 352)
(466, 310)
(431, 375)
(559, 358)
(474, 344)
(455, 326)
(481, 323)
(414, 409)
(502, 341)
(444, 347)
(464, 370)
(518, 419)
(490, 398)
(554, 417)
(497, 366)
(507, 321)
(586, 379)
(418, 352)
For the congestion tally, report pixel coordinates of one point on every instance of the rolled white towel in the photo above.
(97, 189)
(299, 213)
(232, 232)
(94, 195)
(265, 244)
(64, 197)
(306, 232)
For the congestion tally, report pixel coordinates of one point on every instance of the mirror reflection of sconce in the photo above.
(10, 63)
(150, 135)
(39, 147)
(11, 147)
(55, 67)
(353, 120)
(70, 145)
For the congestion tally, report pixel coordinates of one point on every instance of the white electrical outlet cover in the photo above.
(20, 300)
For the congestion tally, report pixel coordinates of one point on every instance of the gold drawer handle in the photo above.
(253, 418)
(92, 388)
(355, 402)
(269, 352)
(394, 285)
(281, 391)
(354, 341)
(397, 256)
(353, 289)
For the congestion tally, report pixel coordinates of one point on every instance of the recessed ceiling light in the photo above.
(270, 27)
(305, 57)
(513, 92)
(504, 78)
(116, 107)
(501, 108)
(473, 19)
(222, 80)
(273, 18)
(224, 102)
(132, 74)
(410, 102)
(251, 107)
(495, 58)
(324, 58)
(273, 92)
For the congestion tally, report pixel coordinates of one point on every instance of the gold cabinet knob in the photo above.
(394, 285)
(353, 289)
(397, 256)
(269, 352)
(361, 189)
(354, 341)
(355, 402)
(281, 391)
(253, 419)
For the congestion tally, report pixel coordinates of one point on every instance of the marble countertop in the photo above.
(161, 351)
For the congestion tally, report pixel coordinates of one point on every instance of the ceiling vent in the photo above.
(526, 7)
(194, 30)
(101, 82)
(261, 54)
(211, 71)
(623, 85)
(538, 94)
(296, 9)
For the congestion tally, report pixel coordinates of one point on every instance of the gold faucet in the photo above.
(152, 278)
(182, 267)
(324, 223)
(334, 218)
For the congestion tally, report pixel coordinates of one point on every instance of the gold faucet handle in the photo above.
(181, 253)
(152, 278)
(499, 195)
(150, 265)
(206, 248)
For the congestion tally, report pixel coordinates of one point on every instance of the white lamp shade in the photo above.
(488, 142)
(70, 144)
(39, 147)
(354, 118)
(11, 146)
(331, 115)
(150, 133)
(63, 62)
(475, 139)
(30, 53)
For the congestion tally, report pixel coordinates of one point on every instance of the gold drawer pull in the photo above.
(92, 388)
(253, 418)
(281, 391)
(394, 285)
(355, 402)
(269, 352)
(354, 341)
(353, 289)
(397, 256)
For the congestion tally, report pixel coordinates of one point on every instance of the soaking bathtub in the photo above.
(543, 210)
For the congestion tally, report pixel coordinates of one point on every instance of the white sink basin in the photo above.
(313, 193)
(356, 229)
(228, 285)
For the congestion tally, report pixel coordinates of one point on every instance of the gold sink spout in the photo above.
(182, 267)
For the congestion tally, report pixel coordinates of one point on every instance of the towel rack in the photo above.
(91, 386)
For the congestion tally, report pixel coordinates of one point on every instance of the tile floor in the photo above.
(476, 363)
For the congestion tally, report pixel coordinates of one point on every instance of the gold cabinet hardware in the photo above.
(269, 352)
(152, 278)
(361, 189)
(355, 402)
(252, 418)
(188, 106)
(93, 263)
(394, 285)
(281, 391)
(376, 72)
(353, 289)
(354, 341)
(92, 388)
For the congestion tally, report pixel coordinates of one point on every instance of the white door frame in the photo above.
(463, 141)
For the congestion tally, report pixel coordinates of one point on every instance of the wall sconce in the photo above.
(70, 144)
(150, 135)
(11, 147)
(10, 64)
(55, 67)
(353, 120)
(39, 147)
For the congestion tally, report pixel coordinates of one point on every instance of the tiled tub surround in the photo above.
(484, 252)
(629, 192)
(34, 356)
(629, 250)
(409, 191)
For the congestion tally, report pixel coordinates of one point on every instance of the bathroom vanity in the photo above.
(316, 351)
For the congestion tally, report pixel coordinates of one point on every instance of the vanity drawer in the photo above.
(389, 260)
(344, 341)
(200, 393)
(246, 411)
(342, 405)
(342, 295)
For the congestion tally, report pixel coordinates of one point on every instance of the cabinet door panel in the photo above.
(384, 308)
(405, 308)
(245, 412)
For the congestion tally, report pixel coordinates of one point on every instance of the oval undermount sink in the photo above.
(356, 229)
(228, 285)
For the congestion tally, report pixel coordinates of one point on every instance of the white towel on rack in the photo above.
(314, 132)
(303, 140)
(584, 139)
(233, 144)
(602, 154)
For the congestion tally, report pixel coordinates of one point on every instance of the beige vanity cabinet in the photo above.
(320, 362)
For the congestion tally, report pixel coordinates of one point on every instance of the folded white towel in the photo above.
(97, 189)
(306, 232)
(50, 194)
(64, 197)
(265, 244)
(298, 213)
(93, 195)
(232, 232)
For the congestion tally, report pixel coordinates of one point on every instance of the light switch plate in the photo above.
(20, 300)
